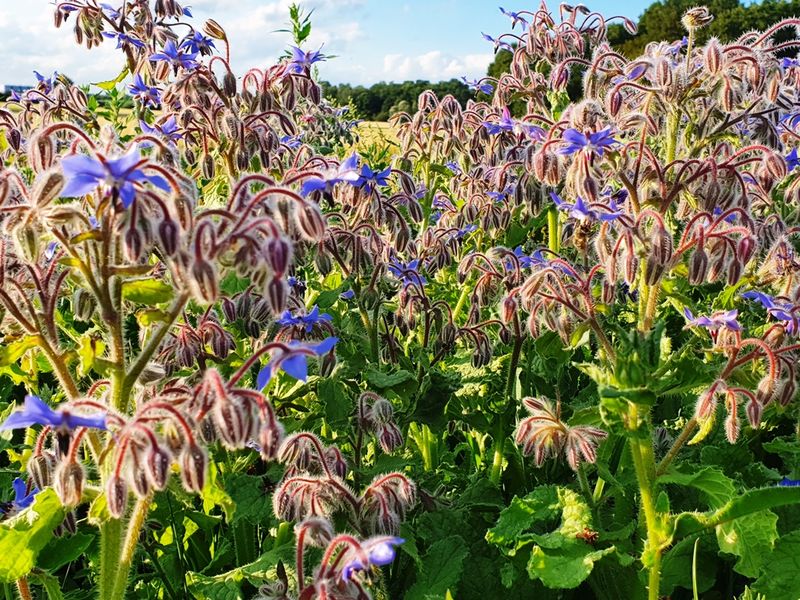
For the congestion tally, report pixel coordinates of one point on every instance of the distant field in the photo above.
(376, 132)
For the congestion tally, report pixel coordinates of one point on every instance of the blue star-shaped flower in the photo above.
(176, 57)
(598, 142)
(35, 412)
(84, 174)
(293, 362)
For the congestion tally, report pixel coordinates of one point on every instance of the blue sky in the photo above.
(374, 40)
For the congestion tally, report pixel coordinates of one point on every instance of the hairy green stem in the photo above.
(498, 447)
(644, 465)
(123, 568)
(679, 442)
(553, 230)
(110, 549)
(24, 590)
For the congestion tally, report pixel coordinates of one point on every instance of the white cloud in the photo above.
(434, 65)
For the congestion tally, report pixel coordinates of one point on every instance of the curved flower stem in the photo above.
(679, 442)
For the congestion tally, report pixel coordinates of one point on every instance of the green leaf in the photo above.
(541, 505)
(338, 406)
(714, 484)
(220, 587)
(560, 559)
(13, 351)
(441, 569)
(750, 538)
(63, 550)
(112, 83)
(750, 502)
(51, 585)
(98, 511)
(565, 568)
(147, 291)
(24, 535)
(386, 380)
(213, 494)
(778, 580)
(247, 493)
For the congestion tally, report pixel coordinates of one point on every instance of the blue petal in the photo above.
(325, 346)
(296, 366)
(91, 421)
(264, 375)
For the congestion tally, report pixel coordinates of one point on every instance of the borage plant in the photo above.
(149, 302)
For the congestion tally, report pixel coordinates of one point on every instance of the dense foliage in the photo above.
(543, 353)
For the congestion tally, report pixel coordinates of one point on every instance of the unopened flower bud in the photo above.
(116, 496)
(193, 461)
(83, 304)
(40, 470)
(754, 412)
(157, 464)
(310, 221)
(277, 293)
(765, 391)
(68, 482)
(169, 236)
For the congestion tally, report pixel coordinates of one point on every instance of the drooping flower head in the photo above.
(346, 172)
(84, 174)
(22, 498)
(167, 129)
(715, 321)
(293, 360)
(197, 43)
(582, 211)
(146, 94)
(175, 57)
(35, 412)
(370, 179)
(380, 551)
(307, 321)
(598, 142)
(408, 273)
(479, 85)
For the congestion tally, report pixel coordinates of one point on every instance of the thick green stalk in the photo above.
(498, 447)
(645, 467)
(123, 567)
(244, 542)
(110, 550)
(553, 230)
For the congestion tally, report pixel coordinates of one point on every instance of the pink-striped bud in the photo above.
(193, 461)
(68, 482)
(116, 496)
(157, 463)
(754, 412)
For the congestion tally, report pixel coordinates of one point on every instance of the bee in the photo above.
(588, 536)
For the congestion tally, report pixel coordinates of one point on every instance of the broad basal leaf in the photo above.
(24, 535)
